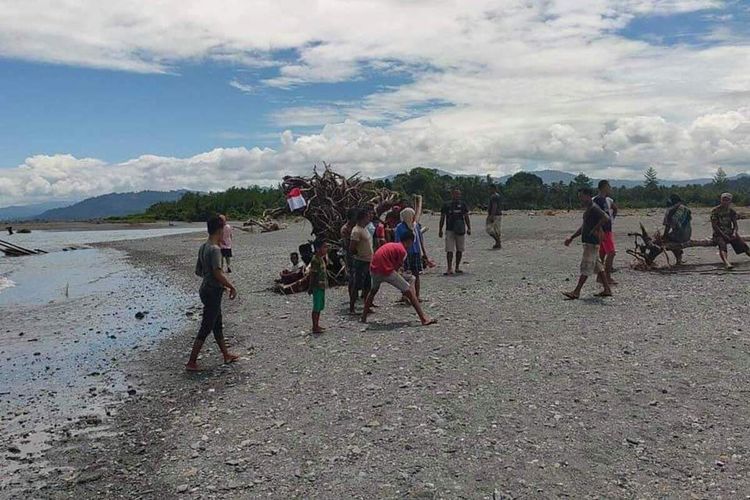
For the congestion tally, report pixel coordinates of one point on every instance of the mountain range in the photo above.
(99, 207)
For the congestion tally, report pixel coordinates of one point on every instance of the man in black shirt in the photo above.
(494, 214)
(591, 235)
(455, 217)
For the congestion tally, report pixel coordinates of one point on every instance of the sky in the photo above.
(99, 97)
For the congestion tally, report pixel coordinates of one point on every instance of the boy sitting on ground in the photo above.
(296, 272)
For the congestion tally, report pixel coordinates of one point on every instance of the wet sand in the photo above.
(515, 393)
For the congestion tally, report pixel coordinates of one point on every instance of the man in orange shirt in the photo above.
(384, 267)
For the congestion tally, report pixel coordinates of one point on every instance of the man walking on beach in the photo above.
(386, 262)
(494, 216)
(455, 217)
(726, 230)
(607, 248)
(360, 246)
(211, 291)
(226, 243)
(590, 232)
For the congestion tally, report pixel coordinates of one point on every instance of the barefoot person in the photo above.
(360, 247)
(590, 232)
(226, 243)
(677, 224)
(726, 230)
(413, 263)
(318, 283)
(607, 248)
(386, 262)
(494, 217)
(455, 217)
(212, 289)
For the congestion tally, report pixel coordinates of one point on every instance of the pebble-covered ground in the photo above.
(515, 393)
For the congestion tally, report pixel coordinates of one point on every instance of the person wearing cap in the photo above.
(677, 224)
(726, 230)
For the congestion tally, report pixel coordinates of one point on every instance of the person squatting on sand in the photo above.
(607, 250)
(414, 253)
(318, 283)
(677, 224)
(226, 243)
(296, 272)
(591, 233)
(386, 262)
(455, 216)
(208, 267)
(726, 230)
(494, 217)
(360, 247)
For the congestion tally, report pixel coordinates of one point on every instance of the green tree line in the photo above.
(235, 202)
(527, 191)
(523, 190)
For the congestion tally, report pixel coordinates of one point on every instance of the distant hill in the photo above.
(25, 212)
(110, 205)
(552, 176)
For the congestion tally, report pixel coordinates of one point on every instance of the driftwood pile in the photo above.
(265, 224)
(329, 196)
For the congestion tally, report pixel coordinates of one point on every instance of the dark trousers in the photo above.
(212, 321)
(738, 244)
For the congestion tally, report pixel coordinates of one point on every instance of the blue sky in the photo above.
(110, 99)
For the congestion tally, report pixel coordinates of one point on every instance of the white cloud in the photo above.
(621, 148)
(242, 87)
(519, 83)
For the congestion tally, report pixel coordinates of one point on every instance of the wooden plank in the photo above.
(22, 250)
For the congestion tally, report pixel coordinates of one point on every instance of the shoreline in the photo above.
(512, 393)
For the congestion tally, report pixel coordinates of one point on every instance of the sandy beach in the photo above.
(516, 393)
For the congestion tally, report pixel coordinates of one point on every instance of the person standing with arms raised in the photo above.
(455, 217)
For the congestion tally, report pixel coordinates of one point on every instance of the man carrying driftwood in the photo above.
(591, 235)
(726, 230)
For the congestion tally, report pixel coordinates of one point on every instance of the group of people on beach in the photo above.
(393, 252)
(599, 250)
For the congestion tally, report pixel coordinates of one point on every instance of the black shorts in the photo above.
(413, 263)
(359, 275)
(226, 252)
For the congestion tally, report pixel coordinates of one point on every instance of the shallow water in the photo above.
(69, 319)
(60, 274)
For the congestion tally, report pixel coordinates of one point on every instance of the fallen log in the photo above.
(648, 247)
(16, 250)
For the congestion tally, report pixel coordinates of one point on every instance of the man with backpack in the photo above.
(455, 217)
(677, 224)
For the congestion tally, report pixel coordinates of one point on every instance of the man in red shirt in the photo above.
(386, 262)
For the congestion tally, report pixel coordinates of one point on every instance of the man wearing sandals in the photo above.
(591, 235)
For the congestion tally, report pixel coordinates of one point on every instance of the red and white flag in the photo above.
(295, 200)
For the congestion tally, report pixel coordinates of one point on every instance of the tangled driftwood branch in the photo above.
(647, 247)
(329, 196)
